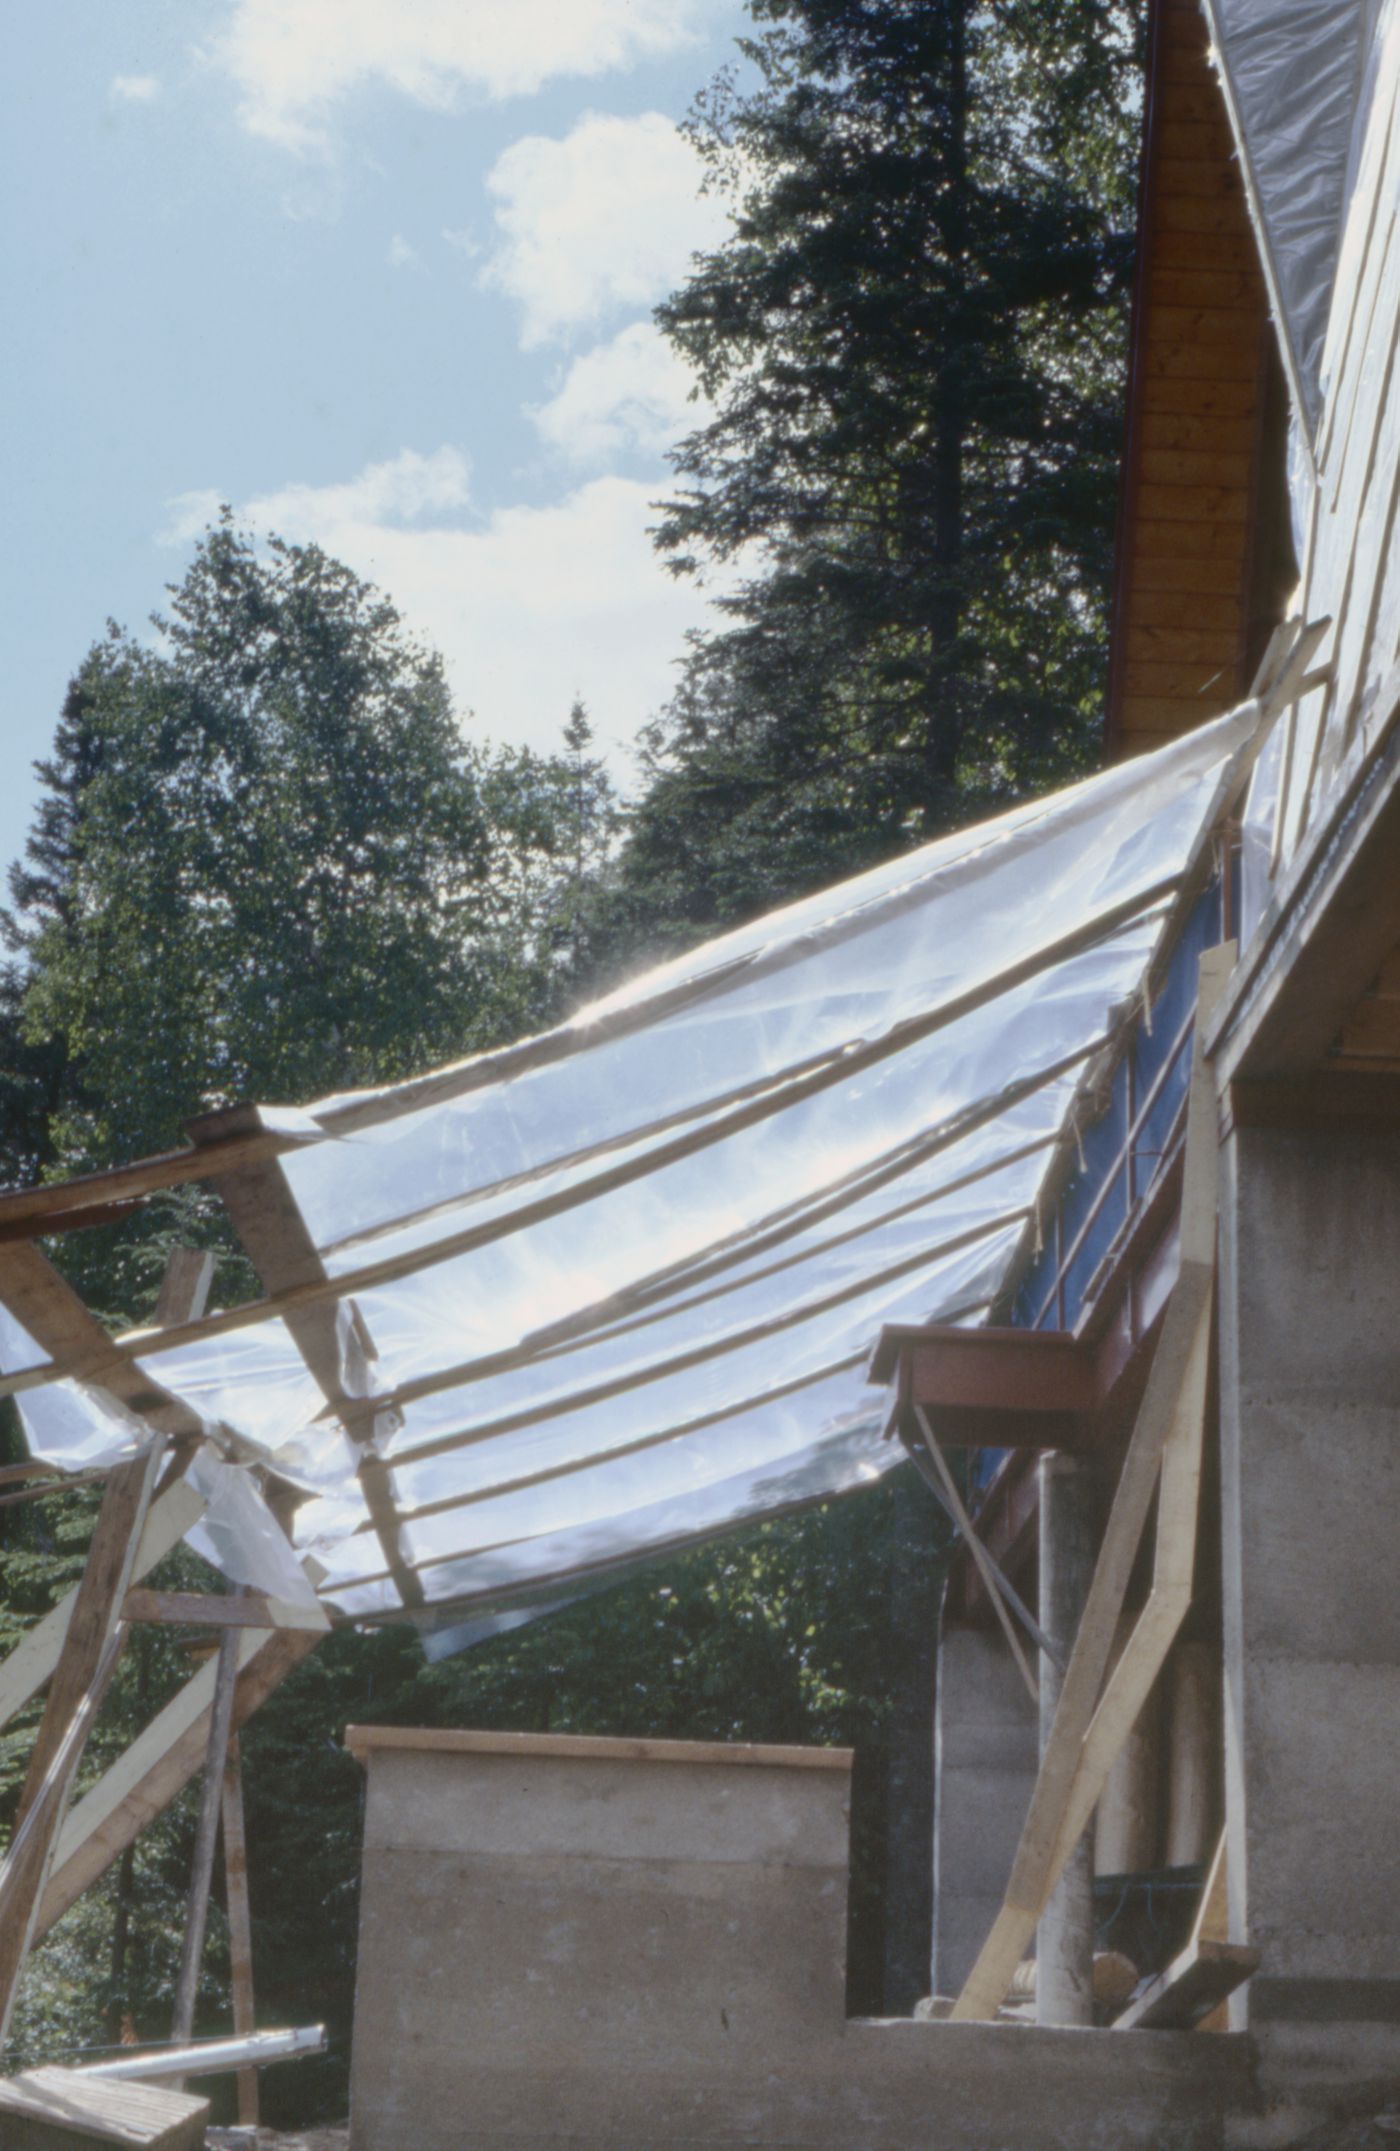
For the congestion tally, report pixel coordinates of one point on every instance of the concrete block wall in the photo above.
(987, 1753)
(1310, 1439)
(641, 1945)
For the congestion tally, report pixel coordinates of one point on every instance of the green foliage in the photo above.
(914, 343)
(266, 864)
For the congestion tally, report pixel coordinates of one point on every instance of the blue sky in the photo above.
(380, 273)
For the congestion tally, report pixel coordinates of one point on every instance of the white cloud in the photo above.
(133, 89)
(529, 608)
(631, 394)
(401, 255)
(294, 60)
(602, 221)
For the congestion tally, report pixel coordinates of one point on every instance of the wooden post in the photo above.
(240, 1925)
(1126, 1833)
(206, 1836)
(1193, 1818)
(1064, 1947)
(89, 1657)
(1164, 1456)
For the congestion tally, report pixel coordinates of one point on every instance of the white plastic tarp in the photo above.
(614, 1289)
(1296, 72)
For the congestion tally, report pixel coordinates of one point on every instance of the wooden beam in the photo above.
(1088, 1730)
(265, 1215)
(207, 1609)
(1191, 1988)
(63, 2110)
(76, 1342)
(160, 1762)
(59, 1205)
(240, 1924)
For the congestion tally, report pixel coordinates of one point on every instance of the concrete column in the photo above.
(1310, 1461)
(987, 1754)
(1064, 1985)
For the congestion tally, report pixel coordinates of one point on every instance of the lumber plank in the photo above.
(240, 1923)
(33, 1659)
(76, 1342)
(1164, 1447)
(57, 1204)
(365, 1740)
(159, 1764)
(1191, 1988)
(61, 2110)
(208, 1609)
(265, 1215)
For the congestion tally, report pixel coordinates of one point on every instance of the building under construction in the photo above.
(1061, 1156)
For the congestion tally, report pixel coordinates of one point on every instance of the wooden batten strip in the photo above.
(1165, 1446)
(160, 1762)
(264, 1214)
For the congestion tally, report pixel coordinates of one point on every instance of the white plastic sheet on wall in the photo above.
(1297, 75)
(614, 1289)
(1345, 492)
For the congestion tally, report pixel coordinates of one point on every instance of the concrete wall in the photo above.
(987, 1749)
(641, 1945)
(1310, 1423)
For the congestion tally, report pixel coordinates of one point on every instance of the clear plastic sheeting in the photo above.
(1347, 499)
(1296, 74)
(614, 1289)
(239, 1534)
(79, 1427)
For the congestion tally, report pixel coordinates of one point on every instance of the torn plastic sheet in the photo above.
(239, 1534)
(80, 1427)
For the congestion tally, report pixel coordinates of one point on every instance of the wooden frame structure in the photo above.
(58, 1850)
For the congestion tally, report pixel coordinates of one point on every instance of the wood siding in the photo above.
(1182, 628)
